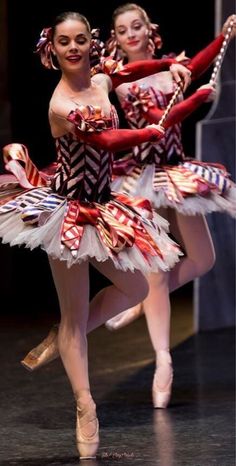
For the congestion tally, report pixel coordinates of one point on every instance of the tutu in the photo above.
(73, 215)
(36, 218)
(181, 187)
(159, 171)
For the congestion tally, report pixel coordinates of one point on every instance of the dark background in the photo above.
(26, 285)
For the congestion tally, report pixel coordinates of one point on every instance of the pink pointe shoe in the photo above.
(44, 353)
(124, 318)
(163, 379)
(87, 430)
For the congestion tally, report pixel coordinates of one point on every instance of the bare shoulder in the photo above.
(103, 80)
(60, 104)
(122, 90)
(59, 108)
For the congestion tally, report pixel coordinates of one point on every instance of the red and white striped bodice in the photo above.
(169, 149)
(83, 171)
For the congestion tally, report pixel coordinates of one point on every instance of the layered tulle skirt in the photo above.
(191, 187)
(122, 229)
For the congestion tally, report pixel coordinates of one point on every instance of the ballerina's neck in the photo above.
(139, 56)
(76, 83)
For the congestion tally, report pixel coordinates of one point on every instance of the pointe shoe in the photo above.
(163, 379)
(44, 353)
(124, 318)
(87, 430)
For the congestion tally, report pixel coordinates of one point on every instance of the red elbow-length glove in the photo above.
(203, 59)
(140, 69)
(135, 70)
(180, 111)
(115, 140)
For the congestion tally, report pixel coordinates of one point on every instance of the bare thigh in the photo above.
(127, 282)
(193, 235)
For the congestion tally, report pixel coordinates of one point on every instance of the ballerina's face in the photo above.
(71, 45)
(131, 32)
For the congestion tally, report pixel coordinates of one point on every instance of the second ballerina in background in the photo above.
(181, 189)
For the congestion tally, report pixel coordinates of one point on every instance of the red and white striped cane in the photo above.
(171, 103)
(221, 54)
(213, 78)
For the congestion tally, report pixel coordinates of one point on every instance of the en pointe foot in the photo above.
(87, 429)
(124, 318)
(163, 379)
(45, 352)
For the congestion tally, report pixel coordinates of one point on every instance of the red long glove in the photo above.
(180, 111)
(203, 59)
(140, 69)
(115, 140)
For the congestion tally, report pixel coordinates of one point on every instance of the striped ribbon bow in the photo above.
(17, 161)
(118, 226)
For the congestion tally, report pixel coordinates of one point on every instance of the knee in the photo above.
(159, 280)
(141, 287)
(207, 262)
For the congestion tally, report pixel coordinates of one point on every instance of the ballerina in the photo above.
(74, 216)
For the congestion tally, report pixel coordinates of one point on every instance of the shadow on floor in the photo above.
(38, 412)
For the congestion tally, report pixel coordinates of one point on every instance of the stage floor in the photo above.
(38, 415)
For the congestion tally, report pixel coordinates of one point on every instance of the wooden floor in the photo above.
(37, 414)
(182, 327)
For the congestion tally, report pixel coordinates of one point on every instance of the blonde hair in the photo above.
(130, 7)
(154, 43)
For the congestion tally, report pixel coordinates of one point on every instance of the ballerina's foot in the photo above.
(162, 381)
(44, 353)
(124, 318)
(87, 429)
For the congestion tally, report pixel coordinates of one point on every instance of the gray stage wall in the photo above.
(214, 294)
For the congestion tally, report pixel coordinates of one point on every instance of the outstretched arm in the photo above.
(181, 110)
(131, 72)
(140, 69)
(202, 60)
(93, 128)
(115, 140)
(121, 139)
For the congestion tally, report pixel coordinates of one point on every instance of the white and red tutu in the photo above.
(73, 216)
(159, 171)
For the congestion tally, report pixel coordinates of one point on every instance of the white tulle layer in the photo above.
(48, 237)
(191, 205)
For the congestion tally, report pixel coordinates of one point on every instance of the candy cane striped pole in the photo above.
(214, 75)
(221, 54)
(170, 104)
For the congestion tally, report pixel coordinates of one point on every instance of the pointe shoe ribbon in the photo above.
(87, 430)
(44, 353)
(163, 379)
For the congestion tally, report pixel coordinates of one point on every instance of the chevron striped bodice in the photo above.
(83, 171)
(169, 149)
